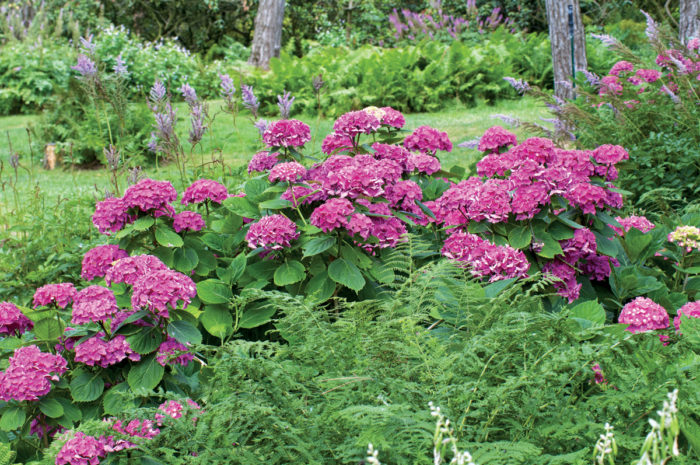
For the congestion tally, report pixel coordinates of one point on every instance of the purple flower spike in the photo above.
(120, 67)
(86, 67)
(284, 102)
(189, 94)
(250, 101)
(518, 84)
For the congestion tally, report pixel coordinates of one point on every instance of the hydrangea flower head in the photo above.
(287, 172)
(171, 408)
(495, 138)
(610, 85)
(188, 221)
(287, 133)
(422, 163)
(94, 304)
(273, 232)
(159, 289)
(610, 154)
(173, 352)
(261, 162)
(642, 315)
(686, 237)
(148, 195)
(30, 373)
(110, 215)
(129, 269)
(97, 351)
(332, 214)
(638, 222)
(61, 294)
(356, 122)
(392, 118)
(81, 449)
(98, 260)
(12, 320)
(396, 153)
(427, 140)
(689, 310)
(648, 75)
(485, 259)
(204, 189)
(336, 143)
(621, 67)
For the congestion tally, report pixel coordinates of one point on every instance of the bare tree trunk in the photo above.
(267, 38)
(689, 25)
(558, 19)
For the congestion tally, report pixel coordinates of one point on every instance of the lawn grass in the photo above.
(235, 142)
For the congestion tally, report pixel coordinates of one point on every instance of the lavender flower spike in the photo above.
(86, 67)
(607, 40)
(261, 125)
(470, 144)
(652, 30)
(198, 127)
(592, 78)
(284, 102)
(189, 94)
(120, 66)
(509, 120)
(518, 84)
(87, 45)
(250, 101)
(228, 89)
(157, 93)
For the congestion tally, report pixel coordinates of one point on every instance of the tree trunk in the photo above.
(558, 19)
(267, 38)
(689, 26)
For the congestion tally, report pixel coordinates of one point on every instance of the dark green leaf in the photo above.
(213, 291)
(145, 340)
(48, 329)
(185, 332)
(217, 320)
(318, 245)
(347, 274)
(12, 418)
(167, 237)
(519, 237)
(143, 223)
(146, 374)
(320, 288)
(51, 408)
(116, 400)
(289, 273)
(86, 386)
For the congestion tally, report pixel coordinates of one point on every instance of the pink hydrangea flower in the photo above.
(396, 153)
(693, 44)
(97, 351)
(272, 232)
(610, 85)
(136, 428)
(689, 310)
(336, 143)
(94, 304)
(287, 172)
(157, 290)
(61, 294)
(361, 225)
(129, 269)
(403, 195)
(172, 408)
(30, 373)
(392, 118)
(261, 162)
(686, 237)
(642, 315)
(583, 243)
(427, 140)
(597, 267)
(110, 215)
(485, 259)
(150, 196)
(203, 190)
(638, 222)
(332, 214)
(621, 67)
(587, 197)
(610, 154)
(81, 449)
(303, 195)
(12, 320)
(173, 352)
(422, 163)
(39, 428)
(648, 75)
(188, 221)
(496, 138)
(568, 287)
(98, 260)
(287, 133)
(356, 122)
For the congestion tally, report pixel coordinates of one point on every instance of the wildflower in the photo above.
(317, 83)
(110, 215)
(150, 196)
(332, 214)
(159, 289)
(518, 84)
(607, 40)
(261, 125)
(356, 122)
(470, 144)
(284, 103)
(273, 232)
(592, 78)
(197, 124)
(128, 270)
(287, 172)
(496, 138)
(685, 237)
(157, 92)
(652, 30)
(119, 67)
(93, 304)
(287, 133)
(204, 190)
(86, 67)
(426, 139)
(12, 320)
(60, 294)
(250, 101)
(188, 221)
(171, 351)
(642, 315)
(29, 374)
(689, 310)
(228, 88)
(189, 94)
(262, 161)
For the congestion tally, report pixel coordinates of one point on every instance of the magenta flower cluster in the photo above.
(151, 196)
(98, 351)
(97, 261)
(262, 161)
(484, 259)
(287, 172)
(287, 133)
(642, 315)
(273, 232)
(160, 290)
(30, 373)
(428, 140)
(173, 352)
(60, 294)
(640, 223)
(128, 270)
(12, 320)
(204, 190)
(188, 221)
(689, 310)
(94, 304)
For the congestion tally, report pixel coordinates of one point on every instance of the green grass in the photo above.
(235, 142)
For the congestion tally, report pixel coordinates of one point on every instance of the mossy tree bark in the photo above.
(689, 24)
(267, 38)
(559, 33)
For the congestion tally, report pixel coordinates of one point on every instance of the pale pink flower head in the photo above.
(173, 352)
(336, 143)
(686, 237)
(98, 260)
(689, 310)
(610, 154)
(422, 163)
(81, 450)
(638, 222)
(205, 189)
(496, 138)
(484, 259)
(272, 232)
(159, 290)
(94, 304)
(188, 221)
(129, 269)
(261, 162)
(12, 320)
(29, 374)
(642, 315)
(392, 118)
(61, 294)
(287, 133)
(110, 215)
(621, 67)
(171, 408)
(332, 214)
(356, 122)
(427, 140)
(150, 196)
(287, 172)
